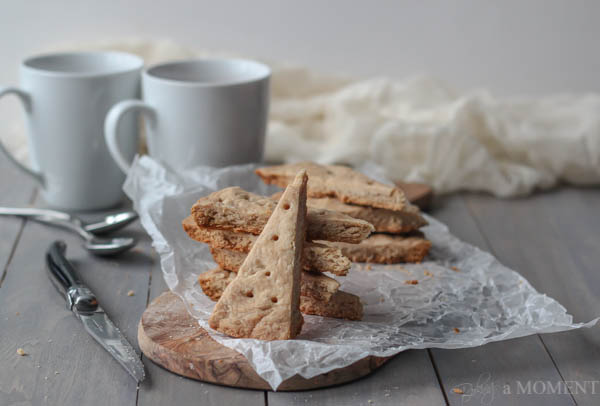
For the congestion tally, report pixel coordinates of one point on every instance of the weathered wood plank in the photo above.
(64, 365)
(166, 388)
(16, 190)
(490, 374)
(552, 238)
(407, 379)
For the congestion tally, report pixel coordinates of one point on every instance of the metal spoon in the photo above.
(96, 245)
(110, 223)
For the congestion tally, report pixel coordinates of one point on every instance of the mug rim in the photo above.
(134, 63)
(149, 74)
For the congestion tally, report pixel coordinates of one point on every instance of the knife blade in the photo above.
(82, 302)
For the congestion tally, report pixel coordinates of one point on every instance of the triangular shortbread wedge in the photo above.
(317, 257)
(386, 249)
(263, 301)
(342, 305)
(340, 182)
(384, 220)
(235, 209)
(214, 282)
(219, 238)
(313, 284)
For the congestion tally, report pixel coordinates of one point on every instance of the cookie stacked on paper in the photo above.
(258, 243)
(397, 237)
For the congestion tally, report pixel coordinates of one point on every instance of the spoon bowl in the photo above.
(111, 222)
(109, 246)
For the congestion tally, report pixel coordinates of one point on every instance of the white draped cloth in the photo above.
(418, 129)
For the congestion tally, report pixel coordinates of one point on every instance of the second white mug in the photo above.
(199, 112)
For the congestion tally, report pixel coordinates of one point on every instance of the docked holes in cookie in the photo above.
(286, 206)
(274, 299)
(267, 273)
(249, 294)
(275, 237)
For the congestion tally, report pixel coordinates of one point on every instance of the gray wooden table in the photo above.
(552, 238)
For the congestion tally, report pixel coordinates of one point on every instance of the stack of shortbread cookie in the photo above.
(273, 252)
(234, 223)
(397, 237)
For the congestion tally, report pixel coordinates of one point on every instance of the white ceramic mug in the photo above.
(199, 112)
(66, 97)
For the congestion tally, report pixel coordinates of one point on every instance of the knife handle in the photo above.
(65, 279)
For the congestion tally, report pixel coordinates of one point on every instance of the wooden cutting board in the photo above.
(171, 338)
(418, 194)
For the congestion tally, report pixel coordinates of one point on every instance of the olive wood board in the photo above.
(171, 338)
(419, 194)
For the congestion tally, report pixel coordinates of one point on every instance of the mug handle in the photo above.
(26, 101)
(111, 126)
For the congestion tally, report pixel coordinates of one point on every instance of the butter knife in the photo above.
(82, 302)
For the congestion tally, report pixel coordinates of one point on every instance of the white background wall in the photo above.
(513, 47)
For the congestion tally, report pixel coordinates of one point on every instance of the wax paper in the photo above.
(464, 296)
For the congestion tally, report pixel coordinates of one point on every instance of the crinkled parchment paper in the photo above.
(460, 286)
